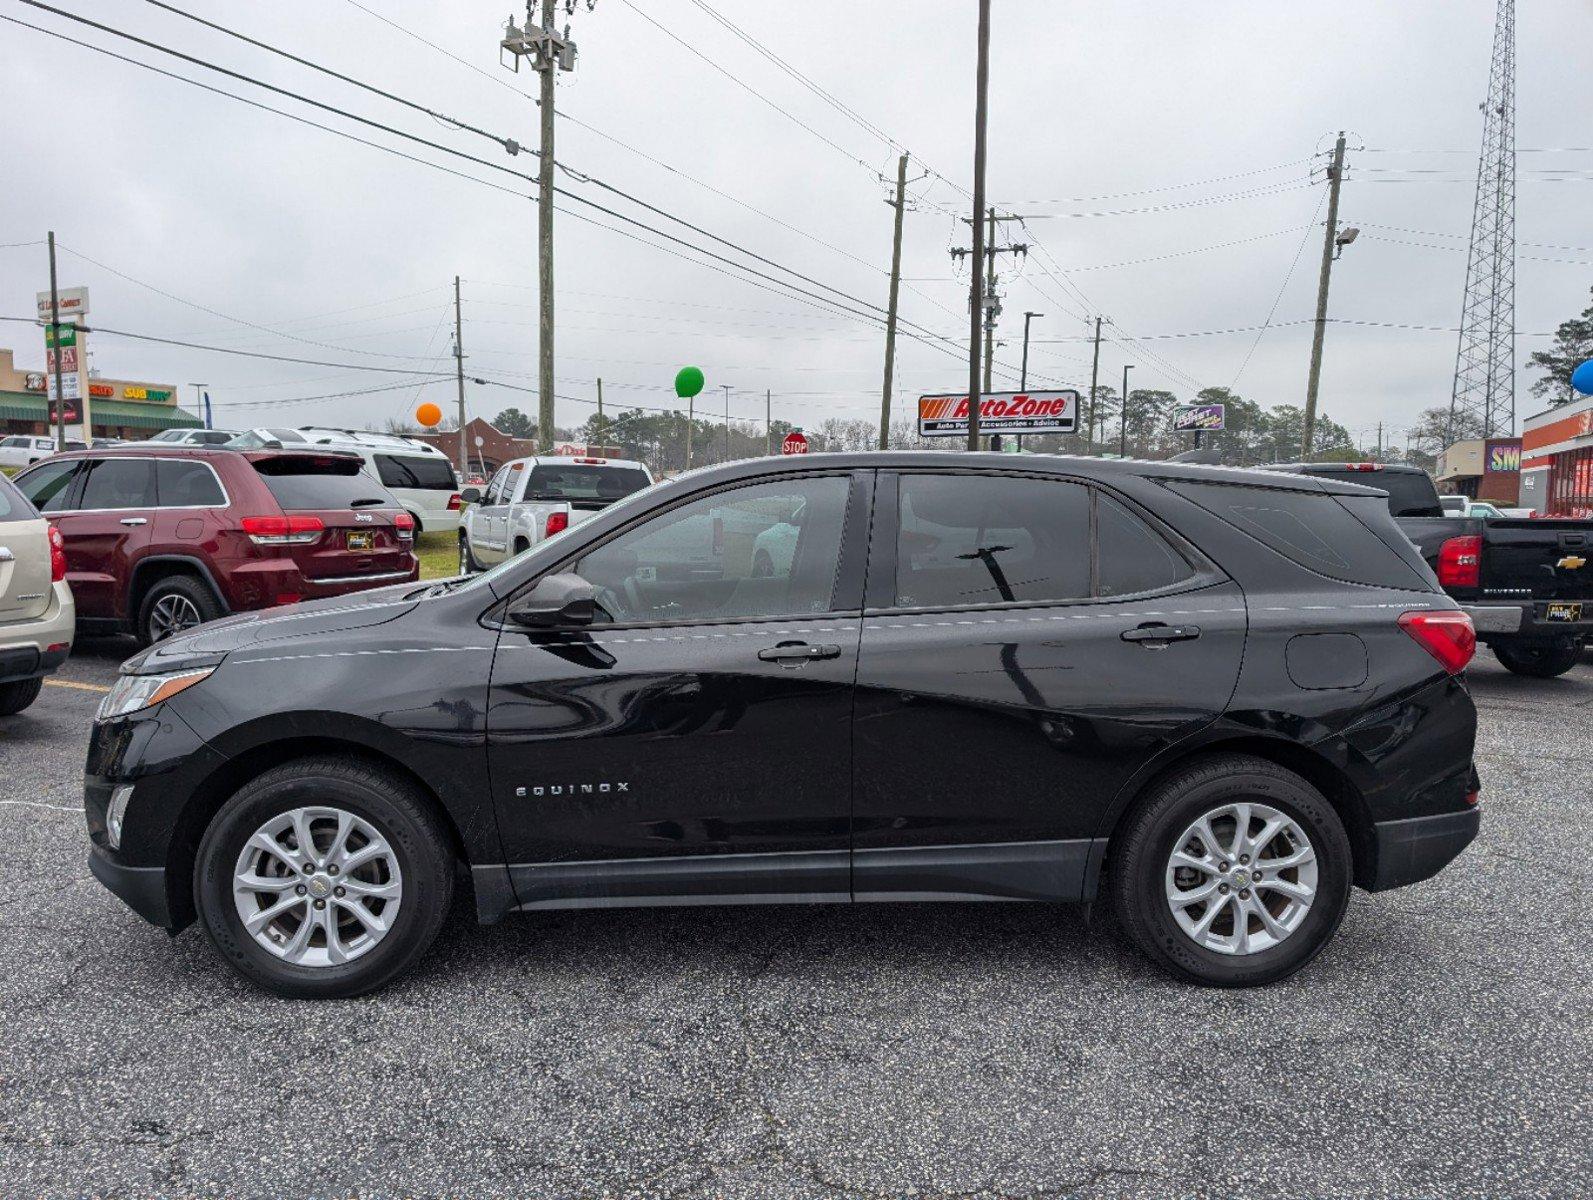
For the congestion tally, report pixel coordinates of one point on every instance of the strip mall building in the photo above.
(118, 408)
(1557, 460)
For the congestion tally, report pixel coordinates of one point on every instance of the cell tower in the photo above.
(1483, 403)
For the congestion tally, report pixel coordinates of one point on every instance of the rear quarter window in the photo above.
(1312, 529)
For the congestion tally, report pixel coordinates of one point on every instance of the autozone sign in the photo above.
(999, 412)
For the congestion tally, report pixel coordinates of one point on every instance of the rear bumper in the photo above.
(1416, 849)
(1495, 618)
(269, 582)
(25, 646)
(1527, 620)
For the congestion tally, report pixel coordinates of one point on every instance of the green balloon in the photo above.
(688, 382)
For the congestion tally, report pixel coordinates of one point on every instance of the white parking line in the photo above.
(40, 804)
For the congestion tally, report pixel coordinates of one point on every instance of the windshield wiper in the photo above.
(366, 502)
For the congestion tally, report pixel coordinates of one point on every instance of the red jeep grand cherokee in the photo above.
(161, 539)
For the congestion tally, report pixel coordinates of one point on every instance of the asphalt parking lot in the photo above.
(1440, 1047)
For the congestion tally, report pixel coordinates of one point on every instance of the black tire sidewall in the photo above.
(426, 879)
(1160, 934)
(195, 591)
(18, 695)
(1558, 657)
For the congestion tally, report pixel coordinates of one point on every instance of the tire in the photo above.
(1540, 660)
(420, 526)
(467, 561)
(1141, 876)
(14, 697)
(409, 830)
(174, 605)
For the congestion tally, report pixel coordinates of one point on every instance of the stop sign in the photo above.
(796, 442)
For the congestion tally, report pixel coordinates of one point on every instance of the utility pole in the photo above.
(976, 297)
(691, 419)
(900, 205)
(1122, 438)
(768, 420)
(990, 302)
(600, 401)
(726, 386)
(1095, 379)
(1023, 370)
(1335, 177)
(459, 378)
(55, 338)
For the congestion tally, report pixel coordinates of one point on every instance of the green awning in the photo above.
(131, 414)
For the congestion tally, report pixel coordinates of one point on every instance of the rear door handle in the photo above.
(135, 520)
(797, 652)
(1155, 634)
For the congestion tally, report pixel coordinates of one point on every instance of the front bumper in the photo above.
(1412, 850)
(142, 889)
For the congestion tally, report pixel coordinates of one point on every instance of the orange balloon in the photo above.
(428, 415)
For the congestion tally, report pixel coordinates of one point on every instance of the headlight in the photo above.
(131, 693)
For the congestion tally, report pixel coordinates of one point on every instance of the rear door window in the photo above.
(114, 483)
(1131, 556)
(48, 488)
(970, 539)
(183, 484)
(1310, 528)
(415, 471)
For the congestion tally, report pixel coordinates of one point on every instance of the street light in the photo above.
(1122, 439)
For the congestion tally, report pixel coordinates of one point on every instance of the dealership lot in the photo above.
(1439, 1046)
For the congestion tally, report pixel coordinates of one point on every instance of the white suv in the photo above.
(23, 450)
(37, 615)
(421, 476)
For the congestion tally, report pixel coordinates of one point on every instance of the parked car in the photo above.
(36, 610)
(194, 437)
(161, 539)
(265, 439)
(1211, 698)
(1465, 506)
(531, 499)
(1527, 582)
(421, 476)
(20, 450)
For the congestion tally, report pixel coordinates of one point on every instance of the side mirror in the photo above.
(470, 495)
(556, 600)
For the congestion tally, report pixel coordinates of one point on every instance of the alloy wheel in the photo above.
(1241, 878)
(172, 614)
(317, 886)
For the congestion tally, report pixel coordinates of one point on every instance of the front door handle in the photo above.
(797, 652)
(135, 520)
(1154, 634)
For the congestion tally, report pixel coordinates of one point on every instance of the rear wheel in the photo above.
(174, 605)
(1541, 660)
(1233, 872)
(14, 697)
(467, 561)
(324, 878)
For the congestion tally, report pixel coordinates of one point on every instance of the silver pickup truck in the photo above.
(530, 499)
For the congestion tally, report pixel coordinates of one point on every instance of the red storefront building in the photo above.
(1557, 460)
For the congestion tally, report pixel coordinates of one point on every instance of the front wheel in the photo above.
(1540, 660)
(324, 878)
(1232, 872)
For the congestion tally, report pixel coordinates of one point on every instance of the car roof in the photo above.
(580, 460)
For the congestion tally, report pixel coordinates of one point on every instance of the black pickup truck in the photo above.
(1527, 583)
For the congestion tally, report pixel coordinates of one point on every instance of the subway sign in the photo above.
(999, 412)
(136, 391)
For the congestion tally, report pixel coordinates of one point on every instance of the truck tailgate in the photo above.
(1544, 559)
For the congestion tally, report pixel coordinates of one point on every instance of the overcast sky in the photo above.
(1215, 109)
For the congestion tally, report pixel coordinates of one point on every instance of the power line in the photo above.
(1282, 288)
(1171, 187)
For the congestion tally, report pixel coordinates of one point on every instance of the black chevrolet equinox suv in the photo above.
(1212, 699)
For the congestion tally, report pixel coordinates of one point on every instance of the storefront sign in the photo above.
(1198, 418)
(1502, 455)
(102, 390)
(999, 412)
(34, 381)
(74, 302)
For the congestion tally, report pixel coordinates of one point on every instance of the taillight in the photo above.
(455, 502)
(1460, 562)
(1447, 635)
(57, 556)
(282, 531)
(557, 523)
(405, 524)
(1363, 466)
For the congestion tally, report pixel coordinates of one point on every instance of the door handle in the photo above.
(1155, 635)
(135, 520)
(797, 652)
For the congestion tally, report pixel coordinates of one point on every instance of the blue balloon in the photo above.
(1582, 378)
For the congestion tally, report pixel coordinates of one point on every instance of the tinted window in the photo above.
(118, 483)
(315, 483)
(183, 484)
(17, 441)
(1312, 528)
(213, 437)
(433, 474)
(970, 539)
(14, 505)
(1132, 557)
(764, 551)
(48, 487)
(495, 489)
(1410, 493)
(603, 485)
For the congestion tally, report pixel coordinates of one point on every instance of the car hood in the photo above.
(210, 643)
